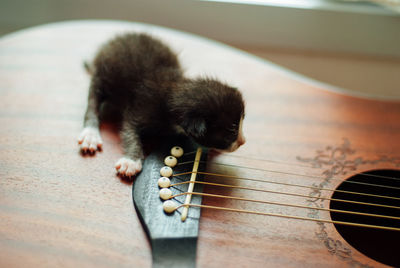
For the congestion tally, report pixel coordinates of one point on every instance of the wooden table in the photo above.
(59, 209)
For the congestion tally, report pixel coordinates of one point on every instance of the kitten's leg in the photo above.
(90, 139)
(131, 163)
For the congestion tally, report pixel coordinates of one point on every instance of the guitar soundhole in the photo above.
(380, 245)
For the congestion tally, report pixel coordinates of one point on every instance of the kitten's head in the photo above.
(212, 114)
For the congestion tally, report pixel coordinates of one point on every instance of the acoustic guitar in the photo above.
(316, 184)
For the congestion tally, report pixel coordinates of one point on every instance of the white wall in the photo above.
(322, 25)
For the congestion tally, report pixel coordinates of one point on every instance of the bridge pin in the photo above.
(177, 151)
(164, 182)
(166, 171)
(170, 161)
(169, 206)
(165, 193)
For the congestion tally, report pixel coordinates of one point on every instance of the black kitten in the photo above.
(138, 80)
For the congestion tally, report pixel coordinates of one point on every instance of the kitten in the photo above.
(138, 80)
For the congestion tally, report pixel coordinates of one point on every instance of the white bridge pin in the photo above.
(169, 206)
(165, 193)
(166, 171)
(177, 151)
(164, 182)
(170, 161)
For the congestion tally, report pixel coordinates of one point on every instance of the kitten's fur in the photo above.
(138, 80)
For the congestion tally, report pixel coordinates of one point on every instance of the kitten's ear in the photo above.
(196, 127)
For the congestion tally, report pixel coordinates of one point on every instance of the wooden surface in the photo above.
(58, 208)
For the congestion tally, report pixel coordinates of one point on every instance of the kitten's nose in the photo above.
(241, 140)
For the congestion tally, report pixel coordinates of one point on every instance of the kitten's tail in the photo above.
(88, 67)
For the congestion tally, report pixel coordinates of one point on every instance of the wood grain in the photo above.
(59, 209)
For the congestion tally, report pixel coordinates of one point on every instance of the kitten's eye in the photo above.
(233, 129)
(231, 135)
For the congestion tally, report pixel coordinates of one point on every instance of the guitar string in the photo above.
(292, 184)
(299, 165)
(299, 185)
(280, 162)
(183, 193)
(285, 193)
(283, 204)
(295, 185)
(288, 205)
(302, 186)
(311, 176)
(291, 217)
(281, 215)
(293, 174)
(307, 187)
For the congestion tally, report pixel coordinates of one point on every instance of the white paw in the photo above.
(127, 167)
(90, 140)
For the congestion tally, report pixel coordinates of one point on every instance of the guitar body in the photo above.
(60, 209)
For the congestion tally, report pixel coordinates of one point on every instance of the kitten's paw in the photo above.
(127, 167)
(90, 140)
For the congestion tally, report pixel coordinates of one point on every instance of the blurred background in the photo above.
(354, 45)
